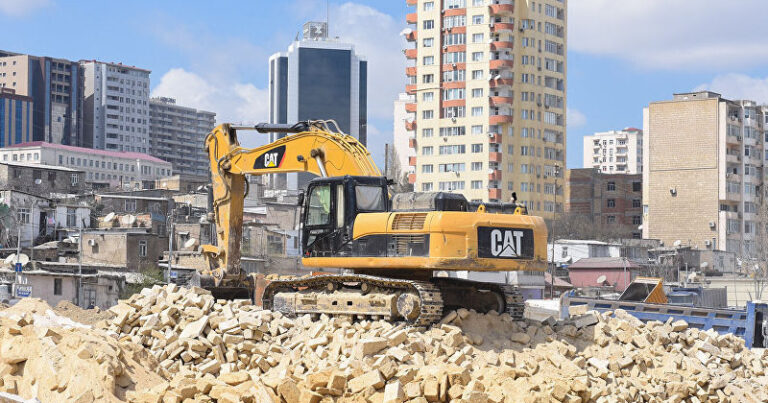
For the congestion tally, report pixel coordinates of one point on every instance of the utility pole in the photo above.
(170, 251)
(79, 265)
(554, 224)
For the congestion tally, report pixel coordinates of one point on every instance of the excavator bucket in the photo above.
(645, 289)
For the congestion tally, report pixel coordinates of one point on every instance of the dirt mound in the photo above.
(85, 316)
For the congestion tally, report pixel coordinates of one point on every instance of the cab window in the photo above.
(370, 198)
(319, 210)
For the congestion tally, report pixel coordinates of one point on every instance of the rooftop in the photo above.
(116, 65)
(603, 263)
(105, 153)
(38, 166)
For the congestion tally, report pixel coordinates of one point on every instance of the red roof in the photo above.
(603, 263)
(632, 129)
(558, 282)
(116, 154)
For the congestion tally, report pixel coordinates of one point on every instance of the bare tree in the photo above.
(580, 226)
(754, 253)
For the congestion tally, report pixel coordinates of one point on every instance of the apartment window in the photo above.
(427, 96)
(453, 112)
(452, 149)
(427, 78)
(427, 132)
(451, 4)
(429, 5)
(455, 21)
(477, 148)
(428, 60)
(477, 3)
(452, 167)
(71, 217)
(426, 187)
(427, 150)
(130, 205)
(22, 215)
(477, 93)
(74, 179)
(637, 220)
(142, 248)
(611, 203)
(477, 74)
(450, 94)
(477, 166)
(477, 56)
(454, 39)
(428, 114)
(451, 185)
(452, 131)
(510, 149)
(477, 129)
(637, 186)
(611, 219)
(510, 167)
(477, 111)
(525, 150)
(477, 19)
(477, 184)
(478, 38)
(611, 186)
(57, 286)
(428, 24)
(426, 169)
(428, 42)
(636, 203)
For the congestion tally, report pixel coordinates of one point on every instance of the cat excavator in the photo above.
(394, 254)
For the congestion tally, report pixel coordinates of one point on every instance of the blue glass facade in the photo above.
(325, 85)
(16, 119)
(363, 102)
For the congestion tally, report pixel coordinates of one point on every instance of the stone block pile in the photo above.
(204, 350)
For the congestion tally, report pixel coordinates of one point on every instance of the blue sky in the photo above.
(621, 54)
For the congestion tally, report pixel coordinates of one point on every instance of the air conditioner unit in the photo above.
(91, 242)
(712, 224)
(738, 138)
(708, 243)
(522, 29)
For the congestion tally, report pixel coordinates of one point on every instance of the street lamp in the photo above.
(554, 224)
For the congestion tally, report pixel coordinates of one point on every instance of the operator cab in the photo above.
(330, 206)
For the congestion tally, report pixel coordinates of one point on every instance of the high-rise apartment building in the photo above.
(115, 106)
(177, 134)
(703, 167)
(488, 80)
(54, 86)
(317, 78)
(615, 152)
(16, 118)
(400, 137)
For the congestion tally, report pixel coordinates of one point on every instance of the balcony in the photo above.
(733, 159)
(494, 156)
(411, 2)
(410, 53)
(499, 64)
(412, 161)
(501, 100)
(494, 138)
(733, 139)
(411, 18)
(412, 36)
(499, 82)
(494, 175)
(454, 102)
(409, 107)
(498, 119)
(410, 88)
(497, 45)
(494, 194)
(501, 9)
(502, 26)
(410, 71)
(412, 142)
(411, 178)
(454, 11)
(410, 125)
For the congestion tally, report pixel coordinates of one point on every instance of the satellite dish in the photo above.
(23, 259)
(639, 227)
(10, 259)
(38, 181)
(109, 217)
(704, 265)
(677, 243)
(601, 279)
(406, 31)
(692, 277)
(190, 243)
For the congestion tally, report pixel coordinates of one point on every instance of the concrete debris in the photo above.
(191, 347)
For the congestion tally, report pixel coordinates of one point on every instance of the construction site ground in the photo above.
(171, 344)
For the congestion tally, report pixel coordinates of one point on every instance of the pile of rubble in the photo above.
(210, 350)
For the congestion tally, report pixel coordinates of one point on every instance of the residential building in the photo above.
(567, 251)
(616, 151)
(488, 81)
(617, 272)
(40, 179)
(703, 158)
(56, 282)
(317, 78)
(103, 168)
(116, 107)
(611, 201)
(401, 136)
(16, 117)
(54, 86)
(134, 249)
(183, 183)
(148, 211)
(40, 218)
(177, 135)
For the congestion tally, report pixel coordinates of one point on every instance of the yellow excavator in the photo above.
(392, 248)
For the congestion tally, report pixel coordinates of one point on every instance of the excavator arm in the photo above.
(309, 147)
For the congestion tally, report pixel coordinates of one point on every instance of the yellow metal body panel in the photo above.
(453, 243)
(657, 295)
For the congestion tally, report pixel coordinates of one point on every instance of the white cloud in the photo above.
(18, 8)
(575, 118)
(672, 34)
(738, 86)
